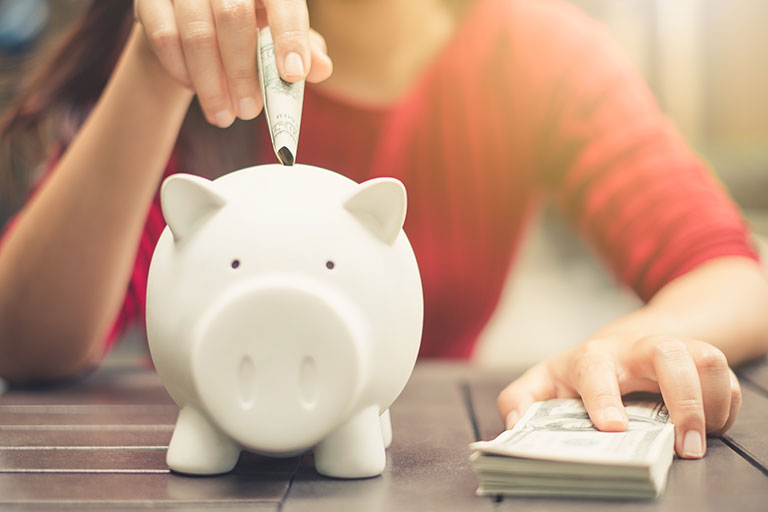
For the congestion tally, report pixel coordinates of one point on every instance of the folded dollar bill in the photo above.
(555, 450)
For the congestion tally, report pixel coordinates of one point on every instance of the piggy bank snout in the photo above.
(278, 363)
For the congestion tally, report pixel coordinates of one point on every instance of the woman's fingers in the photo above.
(159, 21)
(534, 385)
(593, 373)
(321, 67)
(211, 46)
(735, 405)
(701, 393)
(289, 23)
(716, 385)
(669, 362)
(238, 42)
(201, 53)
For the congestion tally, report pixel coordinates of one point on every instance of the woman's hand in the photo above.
(210, 46)
(699, 389)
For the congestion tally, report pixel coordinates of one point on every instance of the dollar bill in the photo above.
(282, 102)
(555, 450)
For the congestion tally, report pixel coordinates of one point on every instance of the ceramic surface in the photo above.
(284, 313)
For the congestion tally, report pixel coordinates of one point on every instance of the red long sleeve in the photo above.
(619, 170)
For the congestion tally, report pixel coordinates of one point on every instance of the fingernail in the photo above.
(293, 65)
(223, 118)
(692, 445)
(511, 419)
(612, 415)
(249, 108)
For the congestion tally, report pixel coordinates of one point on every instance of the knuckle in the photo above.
(163, 38)
(712, 359)
(689, 407)
(241, 74)
(293, 39)
(235, 13)
(588, 368)
(602, 398)
(589, 360)
(199, 33)
(669, 348)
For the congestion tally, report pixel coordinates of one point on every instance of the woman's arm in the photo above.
(65, 265)
(623, 176)
(680, 344)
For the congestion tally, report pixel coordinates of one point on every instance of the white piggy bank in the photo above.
(284, 313)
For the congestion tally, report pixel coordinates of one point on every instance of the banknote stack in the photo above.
(555, 450)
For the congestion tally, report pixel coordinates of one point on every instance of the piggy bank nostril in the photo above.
(246, 382)
(308, 382)
(235, 263)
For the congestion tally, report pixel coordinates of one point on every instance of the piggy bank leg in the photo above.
(355, 449)
(199, 448)
(386, 428)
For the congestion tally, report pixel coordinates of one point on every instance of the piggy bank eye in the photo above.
(329, 265)
(235, 263)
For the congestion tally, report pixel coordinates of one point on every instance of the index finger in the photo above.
(289, 23)
(669, 361)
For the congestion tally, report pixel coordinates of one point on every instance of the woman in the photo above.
(480, 108)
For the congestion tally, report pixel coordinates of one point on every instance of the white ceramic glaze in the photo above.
(284, 313)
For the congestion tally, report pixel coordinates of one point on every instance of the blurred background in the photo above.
(707, 63)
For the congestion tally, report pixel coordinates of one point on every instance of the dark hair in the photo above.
(53, 101)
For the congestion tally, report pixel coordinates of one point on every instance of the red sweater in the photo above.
(529, 99)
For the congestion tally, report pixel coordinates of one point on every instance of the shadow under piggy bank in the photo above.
(284, 314)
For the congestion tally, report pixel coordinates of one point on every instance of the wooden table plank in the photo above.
(122, 460)
(483, 389)
(55, 436)
(117, 488)
(100, 444)
(83, 459)
(427, 466)
(137, 506)
(723, 480)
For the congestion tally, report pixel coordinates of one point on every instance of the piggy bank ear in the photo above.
(187, 200)
(380, 205)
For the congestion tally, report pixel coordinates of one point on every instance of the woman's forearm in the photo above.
(65, 266)
(723, 302)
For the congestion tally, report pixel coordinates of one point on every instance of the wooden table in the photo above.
(100, 445)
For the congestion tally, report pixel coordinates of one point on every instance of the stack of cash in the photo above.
(555, 450)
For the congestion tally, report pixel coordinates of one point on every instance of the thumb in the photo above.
(534, 385)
